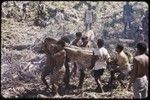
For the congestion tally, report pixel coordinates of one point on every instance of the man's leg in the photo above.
(54, 89)
(86, 26)
(90, 26)
(74, 70)
(43, 75)
(67, 73)
(81, 79)
(144, 93)
(98, 82)
(125, 28)
(120, 78)
(136, 90)
(112, 73)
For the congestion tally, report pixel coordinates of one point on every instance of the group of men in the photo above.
(128, 19)
(100, 59)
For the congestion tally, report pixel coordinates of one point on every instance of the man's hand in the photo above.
(91, 67)
(128, 88)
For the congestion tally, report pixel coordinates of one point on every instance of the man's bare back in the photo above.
(142, 62)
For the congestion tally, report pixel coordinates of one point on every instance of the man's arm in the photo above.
(133, 73)
(75, 42)
(93, 60)
(58, 54)
(84, 16)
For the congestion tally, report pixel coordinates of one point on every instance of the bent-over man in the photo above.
(54, 64)
(122, 65)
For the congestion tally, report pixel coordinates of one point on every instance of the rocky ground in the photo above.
(21, 64)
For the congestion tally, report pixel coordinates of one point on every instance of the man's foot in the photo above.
(56, 95)
(99, 90)
(47, 89)
(80, 86)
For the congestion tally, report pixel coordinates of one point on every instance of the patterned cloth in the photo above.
(140, 87)
(58, 75)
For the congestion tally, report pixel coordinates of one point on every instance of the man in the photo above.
(88, 18)
(81, 68)
(145, 25)
(127, 16)
(84, 41)
(9, 14)
(54, 64)
(24, 11)
(60, 19)
(122, 65)
(78, 42)
(139, 73)
(98, 63)
(91, 43)
(41, 11)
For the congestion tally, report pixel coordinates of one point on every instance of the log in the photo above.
(80, 54)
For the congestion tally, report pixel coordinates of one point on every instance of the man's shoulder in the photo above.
(122, 54)
(62, 52)
(137, 58)
(104, 49)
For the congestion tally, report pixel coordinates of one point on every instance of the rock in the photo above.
(42, 96)
(20, 47)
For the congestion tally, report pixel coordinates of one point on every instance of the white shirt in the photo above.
(90, 34)
(103, 55)
(88, 16)
(60, 17)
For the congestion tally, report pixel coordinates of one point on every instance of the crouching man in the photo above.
(122, 66)
(139, 73)
(54, 65)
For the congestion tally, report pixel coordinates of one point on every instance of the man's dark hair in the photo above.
(62, 11)
(84, 38)
(65, 39)
(78, 34)
(61, 42)
(120, 47)
(100, 42)
(48, 39)
(142, 47)
(89, 6)
(24, 5)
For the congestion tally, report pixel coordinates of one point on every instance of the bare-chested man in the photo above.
(139, 73)
(78, 42)
(54, 64)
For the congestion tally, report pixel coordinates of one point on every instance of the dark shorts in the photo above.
(98, 73)
(121, 76)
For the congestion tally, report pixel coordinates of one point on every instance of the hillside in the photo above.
(21, 65)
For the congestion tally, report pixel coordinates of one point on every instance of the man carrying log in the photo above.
(98, 63)
(78, 42)
(54, 64)
(139, 73)
(122, 65)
